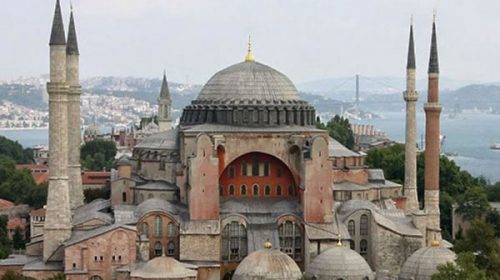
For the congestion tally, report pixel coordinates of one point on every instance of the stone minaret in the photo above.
(165, 106)
(74, 136)
(411, 96)
(432, 144)
(57, 226)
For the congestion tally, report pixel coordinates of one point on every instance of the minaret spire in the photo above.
(410, 96)
(57, 35)
(165, 106)
(72, 46)
(433, 61)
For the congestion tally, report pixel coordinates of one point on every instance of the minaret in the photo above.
(165, 106)
(410, 96)
(57, 226)
(432, 144)
(74, 138)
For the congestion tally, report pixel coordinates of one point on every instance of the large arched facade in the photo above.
(257, 175)
(162, 231)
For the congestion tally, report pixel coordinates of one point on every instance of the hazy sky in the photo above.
(306, 40)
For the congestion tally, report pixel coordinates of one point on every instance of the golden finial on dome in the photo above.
(339, 242)
(268, 245)
(249, 56)
(435, 243)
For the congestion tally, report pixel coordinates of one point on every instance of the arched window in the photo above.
(158, 249)
(267, 190)
(145, 229)
(157, 226)
(351, 228)
(243, 190)
(150, 196)
(171, 230)
(363, 246)
(170, 249)
(290, 237)
(221, 190)
(290, 190)
(363, 225)
(231, 190)
(234, 242)
(267, 168)
(352, 245)
(231, 172)
(124, 196)
(278, 190)
(243, 169)
(256, 190)
(255, 167)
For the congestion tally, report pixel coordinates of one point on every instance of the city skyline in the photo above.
(192, 39)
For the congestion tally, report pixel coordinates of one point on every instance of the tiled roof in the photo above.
(6, 204)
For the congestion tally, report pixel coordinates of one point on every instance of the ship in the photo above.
(495, 146)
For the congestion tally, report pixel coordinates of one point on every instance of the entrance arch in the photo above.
(257, 175)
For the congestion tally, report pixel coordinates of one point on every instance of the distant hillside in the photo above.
(26, 95)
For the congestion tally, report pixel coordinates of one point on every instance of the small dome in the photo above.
(123, 161)
(267, 264)
(339, 263)
(423, 263)
(246, 81)
(163, 268)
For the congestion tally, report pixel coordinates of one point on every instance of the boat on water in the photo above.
(495, 146)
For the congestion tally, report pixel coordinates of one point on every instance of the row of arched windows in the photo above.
(171, 231)
(235, 244)
(169, 250)
(256, 190)
(255, 169)
(363, 226)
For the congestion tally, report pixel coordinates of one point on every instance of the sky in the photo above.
(307, 40)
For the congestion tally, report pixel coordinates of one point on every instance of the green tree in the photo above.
(480, 239)
(18, 241)
(493, 218)
(98, 154)
(5, 243)
(92, 194)
(59, 276)
(493, 192)
(15, 151)
(18, 186)
(473, 204)
(339, 129)
(464, 269)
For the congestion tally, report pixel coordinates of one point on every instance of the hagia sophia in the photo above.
(245, 187)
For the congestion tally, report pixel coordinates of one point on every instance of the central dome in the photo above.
(249, 94)
(248, 81)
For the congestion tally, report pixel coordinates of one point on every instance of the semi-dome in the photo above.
(249, 94)
(163, 268)
(339, 263)
(267, 263)
(422, 264)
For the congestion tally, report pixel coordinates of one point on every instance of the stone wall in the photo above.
(200, 247)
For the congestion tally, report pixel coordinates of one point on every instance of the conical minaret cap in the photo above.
(410, 64)
(433, 60)
(72, 47)
(164, 92)
(57, 35)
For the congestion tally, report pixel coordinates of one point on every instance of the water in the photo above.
(468, 135)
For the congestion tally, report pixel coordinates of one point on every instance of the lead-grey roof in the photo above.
(269, 264)
(339, 263)
(158, 185)
(248, 80)
(156, 204)
(81, 235)
(57, 36)
(422, 264)
(72, 46)
(165, 140)
(97, 209)
(335, 149)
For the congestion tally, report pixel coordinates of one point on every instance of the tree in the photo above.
(58, 276)
(98, 154)
(15, 151)
(18, 241)
(493, 218)
(464, 269)
(92, 194)
(473, 204)
(481, 240)
(5, 243)
(339, 129)
(12, 275)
